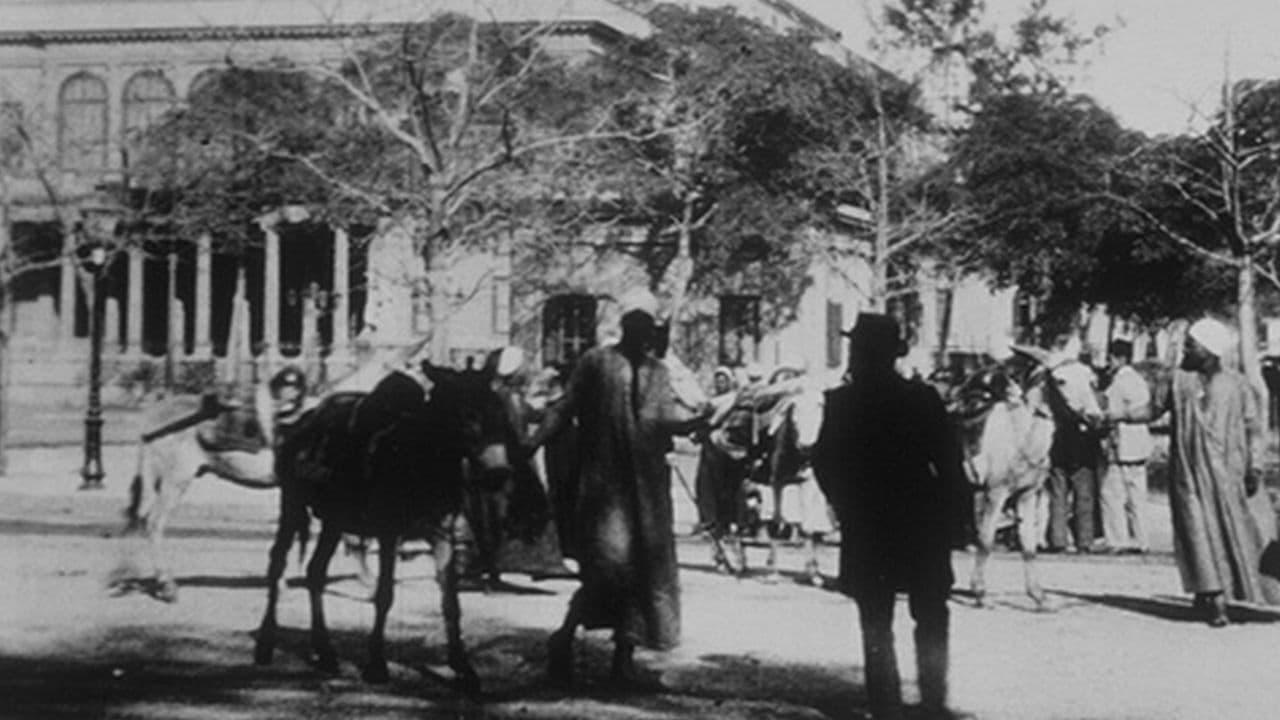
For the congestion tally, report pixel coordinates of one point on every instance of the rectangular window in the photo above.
(835, 340)
(1025, 310)
(908, 311)
(500, 305)
(568, 328)
(739, 329)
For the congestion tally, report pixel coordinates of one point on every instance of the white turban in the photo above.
(1212, 336)
(510, 359)
(639, 299)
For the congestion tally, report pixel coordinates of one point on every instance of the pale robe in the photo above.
(623, 515)
(1216, 438)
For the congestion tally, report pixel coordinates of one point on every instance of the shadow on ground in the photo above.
(166, 671)
(1169, 608)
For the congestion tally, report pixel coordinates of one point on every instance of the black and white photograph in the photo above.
(639, 359)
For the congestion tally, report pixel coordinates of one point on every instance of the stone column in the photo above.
(67, 292)
(271, 294)
(204, 297)
(135, 298)
(341, 307)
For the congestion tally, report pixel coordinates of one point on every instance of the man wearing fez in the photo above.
(890, 463)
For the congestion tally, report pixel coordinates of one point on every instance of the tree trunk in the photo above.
(1247, 314)
(674, 283)
(880, 260)
(944, 323)
(7, 322)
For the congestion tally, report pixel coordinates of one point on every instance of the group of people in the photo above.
(886, 459)
(1217, 456)
(1101, 467)
(889, 461)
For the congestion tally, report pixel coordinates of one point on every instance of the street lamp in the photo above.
(95, 233)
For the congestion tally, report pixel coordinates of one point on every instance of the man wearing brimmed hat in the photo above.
(890, 463)
(1216, 457)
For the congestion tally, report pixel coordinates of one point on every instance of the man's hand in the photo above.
(525, 449)
(1251, 481)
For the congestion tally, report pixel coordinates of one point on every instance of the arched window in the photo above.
(204, 79)
(82, 122)
(147, 96)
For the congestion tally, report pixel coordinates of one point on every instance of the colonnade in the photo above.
(128, 336)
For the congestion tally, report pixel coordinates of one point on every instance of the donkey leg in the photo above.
(447, 576)
(166, 499)
(326, 659)
(739, 551)
(1028, 535)
(277, 559)
(988, 518)
(376, 669)
(812, 571)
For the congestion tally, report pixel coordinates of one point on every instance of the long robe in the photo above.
(625, 544)
(1216, 439)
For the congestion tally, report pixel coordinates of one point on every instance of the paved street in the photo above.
(1120, 644)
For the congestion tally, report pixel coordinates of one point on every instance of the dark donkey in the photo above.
(393, 463)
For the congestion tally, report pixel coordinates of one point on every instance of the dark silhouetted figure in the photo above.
(622, 398)
(889, 461)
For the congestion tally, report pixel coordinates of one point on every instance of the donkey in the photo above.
(171, 458)
(1011, 461)
(788, 439)
(390, 464)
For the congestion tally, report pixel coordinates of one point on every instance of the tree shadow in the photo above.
(1173, 609)
(153, 671)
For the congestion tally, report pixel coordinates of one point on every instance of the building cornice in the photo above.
(43, 38)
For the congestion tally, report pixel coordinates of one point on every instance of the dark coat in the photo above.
(889, 460)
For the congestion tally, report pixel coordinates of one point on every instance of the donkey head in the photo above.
(478, 417)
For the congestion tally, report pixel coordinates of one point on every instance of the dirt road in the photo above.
(1121, 644)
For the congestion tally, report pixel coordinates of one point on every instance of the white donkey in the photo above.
(172, 457)
(1012, 462)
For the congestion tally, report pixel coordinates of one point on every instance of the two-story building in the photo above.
(80, 78)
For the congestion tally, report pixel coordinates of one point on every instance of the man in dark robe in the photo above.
(889, 461)
(622, 398)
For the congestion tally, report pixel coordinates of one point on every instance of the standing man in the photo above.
(1216, 459)
(722, 470)
(1124, 484)
(889, 462)
(621, 396)
(1075, 458)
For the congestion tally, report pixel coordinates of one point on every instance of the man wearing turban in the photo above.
(1216, 459)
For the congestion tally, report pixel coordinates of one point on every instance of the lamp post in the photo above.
(96, 232)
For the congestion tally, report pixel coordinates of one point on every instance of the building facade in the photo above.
(80, 78)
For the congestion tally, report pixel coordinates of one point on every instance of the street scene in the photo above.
(1121, 641)
(846, 359)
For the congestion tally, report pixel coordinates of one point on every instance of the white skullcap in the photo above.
(509, 361)
(639, 299)
(1212, 335)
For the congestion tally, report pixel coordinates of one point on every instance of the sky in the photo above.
(1160, 70)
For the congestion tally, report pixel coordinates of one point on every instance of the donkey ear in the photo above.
(1039, 355)
(435, 374)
